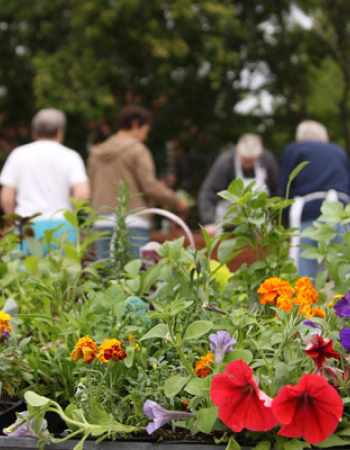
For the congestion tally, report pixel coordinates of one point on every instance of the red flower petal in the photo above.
(236, 395)
(320, 349)
(310, 410)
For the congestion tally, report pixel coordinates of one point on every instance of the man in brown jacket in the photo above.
(123, 158)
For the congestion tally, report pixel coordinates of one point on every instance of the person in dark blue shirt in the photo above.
(328, 169)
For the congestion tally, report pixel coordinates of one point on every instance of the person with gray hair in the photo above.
(249, 161)
(40, 177)
(310, 130)
(328, 169)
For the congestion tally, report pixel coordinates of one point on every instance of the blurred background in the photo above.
(209, 70)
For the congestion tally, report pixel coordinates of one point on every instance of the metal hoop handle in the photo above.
(171, 216)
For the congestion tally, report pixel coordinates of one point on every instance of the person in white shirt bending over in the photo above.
(41, 177)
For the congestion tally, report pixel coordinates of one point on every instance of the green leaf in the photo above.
(174, 385)
(35, 400)
(71, 217)
(333, 441)
(197, 329)
(295, 444)
(296, 171)
(332, 212)
(31, 263)
(199, 387)
(206, 418)
(246, 355)
(233, 445)
(159, 331)
(133, 267)
(263, 445)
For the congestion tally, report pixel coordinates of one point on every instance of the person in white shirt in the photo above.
(41, 177)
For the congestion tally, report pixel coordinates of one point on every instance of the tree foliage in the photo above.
(182, 58)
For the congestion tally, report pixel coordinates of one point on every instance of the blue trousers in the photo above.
(62, 230)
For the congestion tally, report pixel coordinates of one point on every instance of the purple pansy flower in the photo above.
(160, 416)
(220, 344)
(345, 338)
(342, 308)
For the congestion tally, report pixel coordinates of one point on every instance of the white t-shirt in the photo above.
(43, 174)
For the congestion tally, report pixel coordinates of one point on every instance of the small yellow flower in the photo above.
(84, 349)
(5, 326)
(111, 349)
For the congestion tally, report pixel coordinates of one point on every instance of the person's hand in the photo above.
(211, 229)
(182, 207)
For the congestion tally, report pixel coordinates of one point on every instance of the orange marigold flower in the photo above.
(273, 288)
(5, 326)
(285, 303)
(203, 365)
(319, 312)
(305, 292)
(111, 349)
(85, 349)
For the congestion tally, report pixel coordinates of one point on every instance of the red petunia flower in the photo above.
(320, 349)
(310, 410)
(240, 402)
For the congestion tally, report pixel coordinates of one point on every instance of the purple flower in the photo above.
(342, 308)
(220, 344)
(312, 324)
(24, 427)
(160, 416)
(345, 338)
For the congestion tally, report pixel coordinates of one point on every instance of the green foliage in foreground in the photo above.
(163, 316)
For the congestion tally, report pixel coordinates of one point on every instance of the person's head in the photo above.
(50, 124)
(136, 121)
(249, 149)
(310, 130)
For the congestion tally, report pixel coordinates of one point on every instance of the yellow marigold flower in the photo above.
(305, 292)
(203, 365)
(5, 326)
(273, 288)
(85, 349)
(111, 349)
(285, 303)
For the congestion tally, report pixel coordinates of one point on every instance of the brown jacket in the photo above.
(114, 162)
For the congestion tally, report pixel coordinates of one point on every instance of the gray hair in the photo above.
(250, 146)
(48, 122)
(310, 130)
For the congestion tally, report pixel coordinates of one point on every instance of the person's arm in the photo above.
(81, 191)
(215, 182)
(150, 186)
(8, 199)
(80, 187)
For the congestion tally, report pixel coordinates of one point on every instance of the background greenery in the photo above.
(182, 58)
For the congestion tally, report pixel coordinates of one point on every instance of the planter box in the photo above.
(8, 443)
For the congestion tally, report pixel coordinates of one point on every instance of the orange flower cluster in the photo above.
(111, 349)
(86, 349)
(203, 365)
(278, 292)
